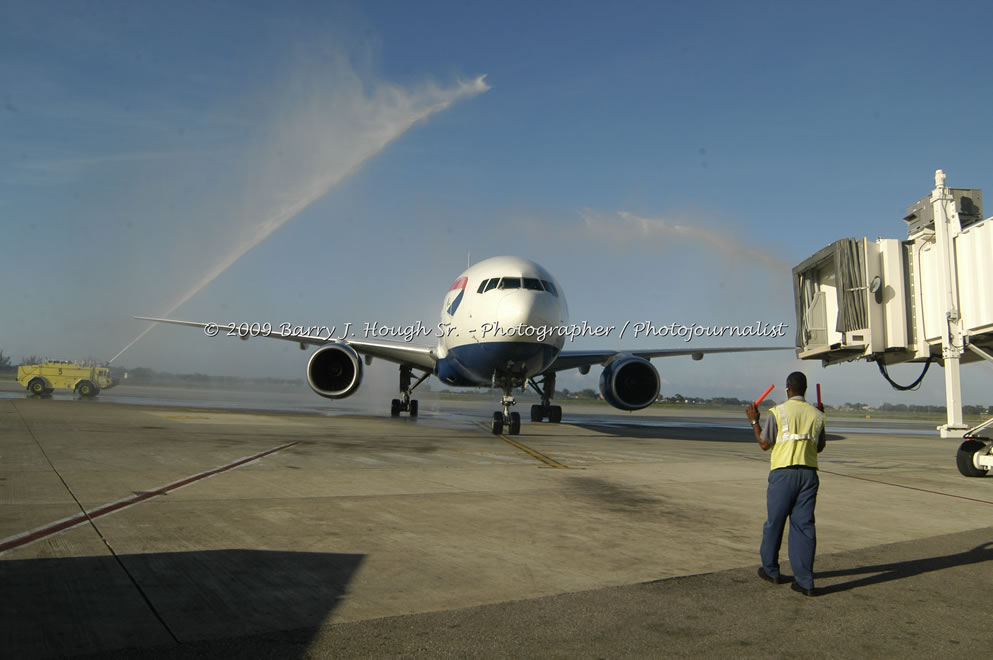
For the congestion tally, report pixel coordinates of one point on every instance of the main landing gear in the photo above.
(545, 410)
(539, 412)
(405, 403)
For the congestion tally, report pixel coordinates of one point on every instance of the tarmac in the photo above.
(132, 530)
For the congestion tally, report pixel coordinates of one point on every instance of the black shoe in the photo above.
(805, 592)
(779, 579)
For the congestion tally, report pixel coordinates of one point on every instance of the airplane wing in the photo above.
(421, 357)
(578, 359)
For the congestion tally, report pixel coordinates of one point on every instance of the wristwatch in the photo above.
(755, 422)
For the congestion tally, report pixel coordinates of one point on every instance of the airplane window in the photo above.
(510, 283)
(493, 283)
(482, 286)
(532, 283)
(550, 288)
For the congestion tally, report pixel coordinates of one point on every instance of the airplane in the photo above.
(504, 322)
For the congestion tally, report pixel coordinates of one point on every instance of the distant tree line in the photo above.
(7, 365)
(713, 401)
(966, 410)
(589, 393)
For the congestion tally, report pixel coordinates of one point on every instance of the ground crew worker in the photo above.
(794, 430)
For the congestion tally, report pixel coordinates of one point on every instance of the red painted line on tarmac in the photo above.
(62, 525)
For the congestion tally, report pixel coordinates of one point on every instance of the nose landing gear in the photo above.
(512, 420)
(539, 412)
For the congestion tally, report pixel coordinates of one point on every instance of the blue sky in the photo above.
(143, 144)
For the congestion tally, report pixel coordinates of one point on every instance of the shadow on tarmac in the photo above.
(85, 605)
(678, 431)
(902, 569)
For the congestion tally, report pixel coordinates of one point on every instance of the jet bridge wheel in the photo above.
(965, 459)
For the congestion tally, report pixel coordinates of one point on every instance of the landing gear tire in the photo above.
(965, 459)
(545, 389)
(497, 424)
(412, 408)
(515, 424)
(395, 408)
(36, 386)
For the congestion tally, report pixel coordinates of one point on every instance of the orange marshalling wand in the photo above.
(818, 395)
(764, 395)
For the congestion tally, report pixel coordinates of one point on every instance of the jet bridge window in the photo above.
(510, 283)
(550, 288)
(532, 283)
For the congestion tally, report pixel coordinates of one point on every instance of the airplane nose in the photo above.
(528, 308)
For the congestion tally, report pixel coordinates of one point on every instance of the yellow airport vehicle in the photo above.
(46, 377)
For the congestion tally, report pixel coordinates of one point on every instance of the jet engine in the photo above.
(334, 371)
(629, 383)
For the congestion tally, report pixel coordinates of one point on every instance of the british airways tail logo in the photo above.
(458, 285)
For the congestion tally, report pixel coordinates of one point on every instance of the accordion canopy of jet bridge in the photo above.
(891, 300)
(843, 309)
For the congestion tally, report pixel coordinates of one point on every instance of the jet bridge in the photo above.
(924, 299)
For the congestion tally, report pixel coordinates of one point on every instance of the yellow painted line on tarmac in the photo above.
(527, 450)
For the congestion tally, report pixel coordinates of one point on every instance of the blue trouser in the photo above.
(792, 492)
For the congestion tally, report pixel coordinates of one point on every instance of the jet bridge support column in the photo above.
(947, 227)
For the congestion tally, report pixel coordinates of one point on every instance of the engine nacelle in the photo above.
(334, 371)
(629, 383)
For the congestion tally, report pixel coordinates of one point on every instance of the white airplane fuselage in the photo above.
(498, 322)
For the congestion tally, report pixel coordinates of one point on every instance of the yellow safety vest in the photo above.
(798, 424)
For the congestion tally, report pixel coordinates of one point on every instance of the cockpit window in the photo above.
(530, 283)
